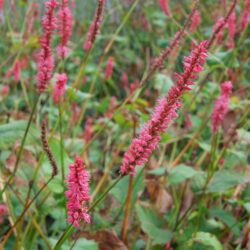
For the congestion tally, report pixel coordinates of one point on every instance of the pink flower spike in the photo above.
(95, 26)
(165, 7)
(221, 106)
(245, 16)
(1, 5)
(3, 212)
(219, 29)
(88, 130)
(124, 80)
(60, 87)
(65, 28)
(46, 61)
(231, 29)
(5, 90)
(164, 113)
(109, 68)
(196, 20)
(78, 193)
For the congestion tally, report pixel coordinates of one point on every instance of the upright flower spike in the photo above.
(164, 113)
(60, 87)
(95, 26)
(165, 7)
(124, 80)
(5, 90)
(196, 20)
(109, 68)
(245, 17)
(46, 61)
(231, 29)
(78, 193)
(88, 130)
(65, 22)
(220, 25)
(3, 212)
(218, 29)
(221, 106)
(158, 61)
(1, 5)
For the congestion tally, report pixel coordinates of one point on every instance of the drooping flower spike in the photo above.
(221, 106)
(164, 113)
(95, 26)
(78, 193)
(46, 61)
(65, 22)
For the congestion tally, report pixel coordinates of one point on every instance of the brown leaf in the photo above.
(156, 189)
(164, 201)
(229, 125)
(10, 162)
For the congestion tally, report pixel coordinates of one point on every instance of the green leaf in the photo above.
(163, 83)
(226, 217)
(206, 239)
(13, 131)
(56, 186)
(181, 173)
(151, 226)
(86, 244)
(158, 171)
(224, 180)
(121, 189)
(77, 94)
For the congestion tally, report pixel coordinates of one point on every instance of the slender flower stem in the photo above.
(106, 50)
(212, 39)
(64, 237)
(105, 193)
(21, 148)
(33, 220)
(8, 234)
(240, 124)
(61, 139)
(126, 217)
(195, 136)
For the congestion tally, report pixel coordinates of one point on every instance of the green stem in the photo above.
(104, 194)
(61, 139)
(8, 234)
